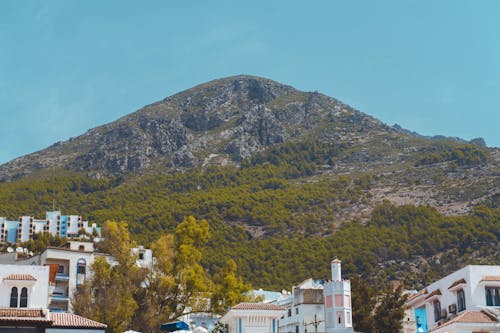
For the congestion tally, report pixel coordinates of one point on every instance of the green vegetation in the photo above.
(125, 296)
(463, 154)
(277, 216)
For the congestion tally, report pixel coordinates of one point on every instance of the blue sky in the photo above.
(67, 66)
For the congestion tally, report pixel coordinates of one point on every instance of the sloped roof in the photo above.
(420, 293)
(456, 283)
(257, 306)
(436, 292)
(70, 320)
(24, 315)
(471, 317)
(20, 277)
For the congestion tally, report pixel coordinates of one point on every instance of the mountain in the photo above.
(221, 122)
(287, 180)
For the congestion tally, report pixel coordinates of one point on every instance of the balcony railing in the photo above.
(62, 277)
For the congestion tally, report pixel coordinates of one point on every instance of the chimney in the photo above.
(336, 270)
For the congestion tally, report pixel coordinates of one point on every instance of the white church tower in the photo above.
(337, 297)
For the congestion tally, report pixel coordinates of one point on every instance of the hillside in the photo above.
(277, 172)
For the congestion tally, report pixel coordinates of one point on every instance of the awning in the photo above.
(175, 326)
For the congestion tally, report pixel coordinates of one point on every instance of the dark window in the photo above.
(289, 312)
(460, 300)
(492, 296)
(24, 298)
(296, 329)
(296, 311)
(60, 270)
(437, 311)
(81, 248)
(13, 297)
(80, 268)
(141, 256)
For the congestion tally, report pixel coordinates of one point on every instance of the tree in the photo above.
(390, 312)
(363, 303)
(376, 313)
(229, 289)
(108, 295)
(178, 283)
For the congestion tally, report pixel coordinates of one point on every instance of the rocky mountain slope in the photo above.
(277, 173)
(226, 121)
(219, 122)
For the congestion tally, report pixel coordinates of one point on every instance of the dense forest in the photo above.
(276, 215)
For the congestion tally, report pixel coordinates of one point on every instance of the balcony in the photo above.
(62, 277)
(59, 298)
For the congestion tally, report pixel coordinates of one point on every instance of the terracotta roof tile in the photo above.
(24, 277)
(436, 292)
(71, 320)
(420, 293)
(20, 315)
(258, 306)
(491, 278)
(471, 317)
(456, 283)
(21, 312)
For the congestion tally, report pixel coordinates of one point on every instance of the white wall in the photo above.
(475, 297)
(38, 290)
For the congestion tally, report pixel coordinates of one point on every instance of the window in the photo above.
(296, 329)
(460, 300)
(81, 248)
(13, 297)
(80, 271)
(289, 312)
(492, 296)
(296, 311)
(24, 298)
(437, 311)
(60, 270)
(141, 256)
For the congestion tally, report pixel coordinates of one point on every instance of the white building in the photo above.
(70, 267)
(338, 309)
(24, 296)
(253, 318)
(55, 223)
(466, 301)
(24, 286)
(304, 309)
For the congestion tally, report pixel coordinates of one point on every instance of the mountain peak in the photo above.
(230, 118)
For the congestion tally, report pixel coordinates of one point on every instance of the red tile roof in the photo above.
(420, 293)
(69, 320)
(456, 283)
(24, 315)
(258, 306)
(491, 278)
(471, 317)
(24, 277)
(436, 292)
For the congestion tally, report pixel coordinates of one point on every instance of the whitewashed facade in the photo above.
(466, 301)
(253, 318)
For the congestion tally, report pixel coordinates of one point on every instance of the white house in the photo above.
(304, 308)
(253, 318)
(466, 301)
(24, 297)
(24, 286)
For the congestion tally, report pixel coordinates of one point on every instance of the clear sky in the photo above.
(67, 66)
